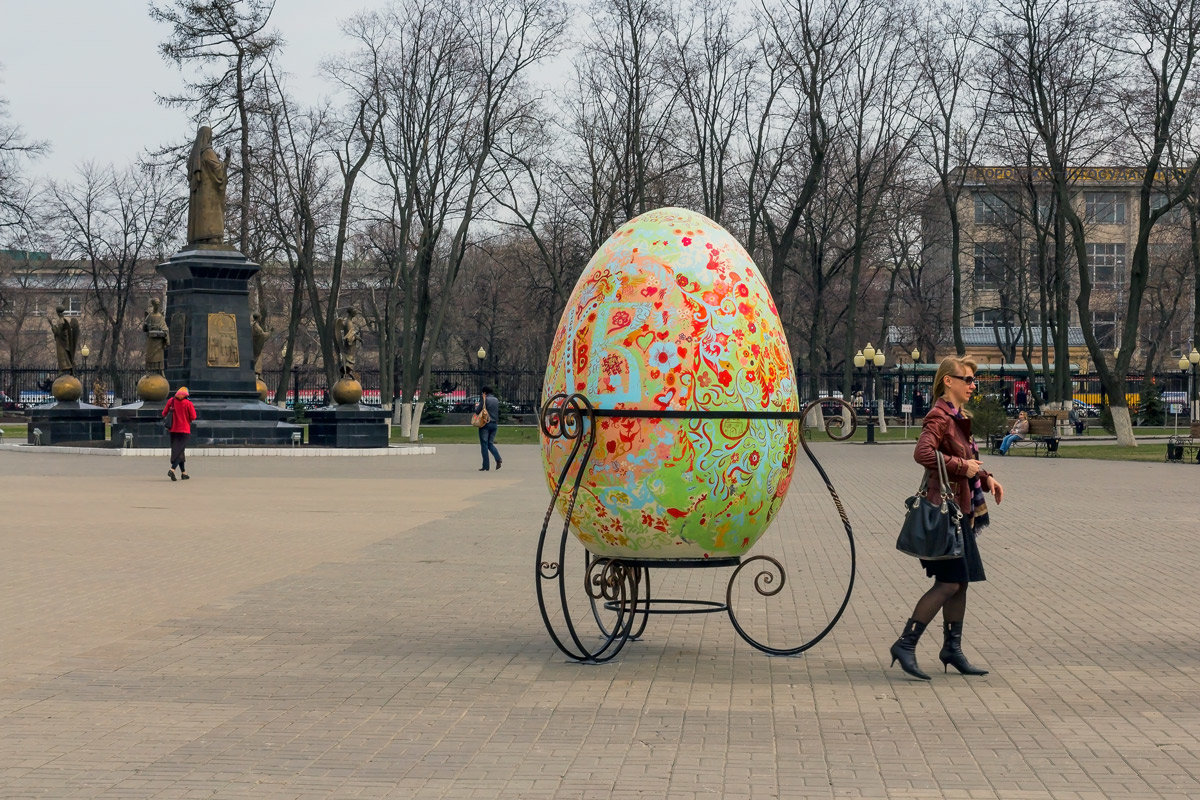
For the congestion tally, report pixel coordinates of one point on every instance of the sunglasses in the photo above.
(969, 379)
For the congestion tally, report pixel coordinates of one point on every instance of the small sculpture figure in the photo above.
(158, 337)
(350, 326)
(259, 333)
(207, 176)
(99, 395)
(66, 336)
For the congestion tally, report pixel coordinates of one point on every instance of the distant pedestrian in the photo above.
(182, 414)
(487, 432)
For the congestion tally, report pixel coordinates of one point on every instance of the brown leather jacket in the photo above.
(952, 436)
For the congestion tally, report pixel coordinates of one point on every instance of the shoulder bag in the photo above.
(931, 531)
(481, 419)
(169, 416)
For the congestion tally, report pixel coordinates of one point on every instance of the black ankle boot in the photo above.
(905, 649)
(952, 654)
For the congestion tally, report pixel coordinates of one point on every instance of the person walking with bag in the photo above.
(488, 404)
(179, 414)
(947, 430)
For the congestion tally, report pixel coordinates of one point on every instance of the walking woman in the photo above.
(487, 433)
(183, 413)
(947, 430)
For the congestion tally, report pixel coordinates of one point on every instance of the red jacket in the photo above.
(952, 436)
(185, 412)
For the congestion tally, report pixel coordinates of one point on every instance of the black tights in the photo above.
(951, 598)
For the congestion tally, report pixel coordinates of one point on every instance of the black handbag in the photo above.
(932, 531)
(168, 417)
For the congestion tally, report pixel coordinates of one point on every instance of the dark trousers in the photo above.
(487, 443)
(178, 443)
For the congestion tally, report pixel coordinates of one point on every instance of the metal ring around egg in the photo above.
(622, 586)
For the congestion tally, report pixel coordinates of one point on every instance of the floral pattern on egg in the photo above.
(671, 313)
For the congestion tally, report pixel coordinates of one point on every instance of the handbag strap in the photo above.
(943, 477)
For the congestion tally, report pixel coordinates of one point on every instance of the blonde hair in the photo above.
(950, 365)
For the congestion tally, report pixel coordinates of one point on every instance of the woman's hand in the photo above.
(973, 467)
(996, 489)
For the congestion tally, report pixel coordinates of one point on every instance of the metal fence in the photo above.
(901, 389)
(457, 389)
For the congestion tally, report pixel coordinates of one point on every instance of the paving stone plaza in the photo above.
(367, 628)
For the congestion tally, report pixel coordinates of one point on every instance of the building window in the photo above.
(989, 317)
(1174, 216)
(73, 307)
(991, 209)
(1106, 262)
(989, 266)
(1104, 326)
(1105, 208)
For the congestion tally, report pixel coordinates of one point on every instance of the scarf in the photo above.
(979, 509)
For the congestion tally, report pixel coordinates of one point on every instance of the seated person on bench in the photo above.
(1020, 430)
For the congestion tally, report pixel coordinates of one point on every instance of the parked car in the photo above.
(8, 404)
(1087, 409)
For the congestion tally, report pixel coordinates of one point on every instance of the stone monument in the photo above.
(68, 418)
(349, 423)
(209, 342)
(153, 387)
(260, 332)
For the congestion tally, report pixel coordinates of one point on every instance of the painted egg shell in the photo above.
(672, 314)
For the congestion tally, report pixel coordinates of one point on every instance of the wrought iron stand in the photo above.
(622, 586)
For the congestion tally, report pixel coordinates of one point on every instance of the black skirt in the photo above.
(967, 569)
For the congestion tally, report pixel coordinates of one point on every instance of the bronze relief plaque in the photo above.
(222, 340)
(177, 348)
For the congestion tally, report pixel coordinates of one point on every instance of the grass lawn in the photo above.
(465, 434)
(1155, 450)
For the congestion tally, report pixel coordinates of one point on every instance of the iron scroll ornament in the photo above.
(622, 586)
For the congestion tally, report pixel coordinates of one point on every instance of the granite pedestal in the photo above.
(66, 421)
(144, 420)
(350, 425)
(210, 350)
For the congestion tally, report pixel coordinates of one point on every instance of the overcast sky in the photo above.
(82, 74)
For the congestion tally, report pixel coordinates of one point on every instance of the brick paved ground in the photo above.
(346, 628)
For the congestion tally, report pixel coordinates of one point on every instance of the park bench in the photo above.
(1185, 447)
(1043, 435)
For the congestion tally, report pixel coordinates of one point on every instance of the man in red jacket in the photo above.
(181, 414)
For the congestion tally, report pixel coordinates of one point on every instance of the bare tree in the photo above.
(955, 118)
(879, 131)
(231, 36)
(118, 224)
(295, 198)
(710, 64)
(457, 85)
(16, 193)
(1056, 68)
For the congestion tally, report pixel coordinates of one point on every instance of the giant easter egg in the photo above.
(672, 314)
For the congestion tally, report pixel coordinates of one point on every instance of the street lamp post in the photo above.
(1185, 363)
(906, 409)
(85, 351)
(872, 359)
(481, 354)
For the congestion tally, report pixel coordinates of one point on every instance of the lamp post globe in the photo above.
(1194, 356)
(859, 359)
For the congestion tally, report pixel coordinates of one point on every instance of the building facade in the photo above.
(1007, 258)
